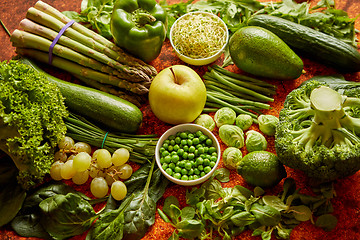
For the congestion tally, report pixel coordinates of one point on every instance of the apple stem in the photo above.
(174, 75)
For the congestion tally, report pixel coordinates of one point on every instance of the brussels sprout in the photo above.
(206, 121)
(244, 121)
(231, 157)
(255, 141)
(231, 136)
(267, 124)
(224, 115)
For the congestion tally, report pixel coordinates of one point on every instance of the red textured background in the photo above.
(347, 201)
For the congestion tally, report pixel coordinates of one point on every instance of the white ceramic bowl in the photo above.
(199, 61)
(192, 128)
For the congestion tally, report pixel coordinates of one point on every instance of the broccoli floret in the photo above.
(319, 130)
(31, 120)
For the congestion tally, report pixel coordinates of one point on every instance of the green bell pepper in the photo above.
(139, 26)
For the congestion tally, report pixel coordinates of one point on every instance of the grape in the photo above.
(118, 190)
(60, 156)
(94, 170)
(82, 147)
(120, 156)
(99, 187)
(109, 179)
(125, 171)
(71, 157)
(80, 177)
(82, 161)
(94, 155)
(66, 143)
(55, 170)
(103, 158)
(68, 170)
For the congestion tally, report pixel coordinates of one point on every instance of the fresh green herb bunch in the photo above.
(187, 155)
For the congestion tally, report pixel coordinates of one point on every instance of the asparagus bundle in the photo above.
(80, 51)
(245, 95)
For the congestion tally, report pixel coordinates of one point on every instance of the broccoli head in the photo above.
(31, 120)
(319, 129)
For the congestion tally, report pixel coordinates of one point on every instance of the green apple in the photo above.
(177, 95)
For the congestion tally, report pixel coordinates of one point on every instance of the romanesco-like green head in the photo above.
(31, 120)
(319, 130)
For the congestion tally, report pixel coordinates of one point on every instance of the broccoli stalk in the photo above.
(318, 132)
(31, 120)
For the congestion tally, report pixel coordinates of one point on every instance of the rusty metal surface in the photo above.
(347, 202)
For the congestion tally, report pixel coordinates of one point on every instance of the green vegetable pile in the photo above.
(319, 128)
(80, 51)
(213, 210)
(31, 120)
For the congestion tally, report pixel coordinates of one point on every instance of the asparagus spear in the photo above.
(51, 22)
(28, 40)
(87, 73)
(122, 56)
(32, 27)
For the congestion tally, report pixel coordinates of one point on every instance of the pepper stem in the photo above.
(142, 17)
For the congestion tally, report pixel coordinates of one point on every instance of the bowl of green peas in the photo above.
(187, 154)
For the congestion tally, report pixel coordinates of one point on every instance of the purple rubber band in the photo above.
(57, 39)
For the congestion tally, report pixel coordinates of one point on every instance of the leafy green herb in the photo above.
(96, 13)
(230, 211)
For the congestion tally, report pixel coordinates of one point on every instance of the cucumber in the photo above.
(110, 111)
(322, 47)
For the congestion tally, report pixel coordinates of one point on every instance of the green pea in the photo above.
(171, 137)
(196, 141)
(176, 147)
(202, 174)
(165, 146)
(161, 149)
(185, 155)
(206, 162)
(180, 152)
(188, 165)
(191, 136)
(184, 178)
(202, 138)
(172, 165)
(170, 148)
(189, 142)
(183, 135)
(173, 153)
(165, 153)
(214, 154)
(207, 169)
(182, 164)
(165, 166)
(177, 140)
(186, 148)
(193, 164)
(175, 158)
(172, 142)
(191, 178)
(201, 150)
(191, 171)
(213, 158)
(200, 167)
(169, 171)
(184, 171)
(162, 160)
(183, 142)
(212, 150)
(206, 149)
(177, 169)
(177, 175)
(196, 153)
(191, 156)
(167, 141)
(199, 161)
(209, 142)
(199, 133)
(196, 171)
(212, 164)
(196, 177)
(167, 159)
(191, 149)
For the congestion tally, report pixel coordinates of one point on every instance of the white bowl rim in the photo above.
(199, 59)
(187, 182)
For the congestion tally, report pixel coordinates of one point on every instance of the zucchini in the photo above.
(110, 111)
(322, 47)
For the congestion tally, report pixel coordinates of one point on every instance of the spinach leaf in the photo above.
(190, 228)
(12, 195)
(27, 221)
(66, 215)
(140, 214)
(266, 215)
(110, 224)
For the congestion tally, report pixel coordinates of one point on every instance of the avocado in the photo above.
(260, 52)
